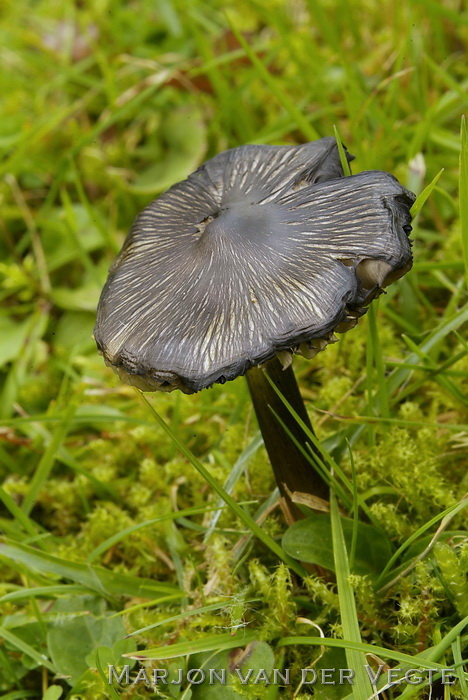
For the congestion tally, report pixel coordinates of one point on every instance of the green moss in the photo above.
(323, 594)
(454, 572)
(407, 461)
(276, 591)
(219, 577)
(392, 520)
(418, 608)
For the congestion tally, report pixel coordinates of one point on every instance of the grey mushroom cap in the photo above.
(263, 250)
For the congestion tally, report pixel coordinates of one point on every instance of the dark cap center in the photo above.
(245, 223)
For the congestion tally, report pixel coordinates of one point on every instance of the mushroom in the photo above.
(261, 253)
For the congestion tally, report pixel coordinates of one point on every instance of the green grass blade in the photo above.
(181, 616)
(361, 420)
(109, 688)
(103, 581)
(457, 657)
(47, 460)
(349, 621)
(215, 642)
(81, 253)
(301, 122)
(445, 517)
(439, 377)
(352, 551)
(111, 541)
(27, 649)
(325, 455)
(397, 378)
(314, 460)
(235, 507)
(424, 195)
(150, 604)
(46, 591)
(19, 515)
(375, 349)
(343, 159)
(434, 653)
(233, 477)
(17, 374)
(426, 661)
(463, 187)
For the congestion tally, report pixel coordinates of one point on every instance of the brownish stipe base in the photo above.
(292, 470)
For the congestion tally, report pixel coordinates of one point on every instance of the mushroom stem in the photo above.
(293, 472)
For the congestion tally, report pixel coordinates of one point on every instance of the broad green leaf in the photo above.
(310, 540)
(13, 336)
(184, 134)
(73, 640)
(257, 658)
(59, 241)
(96, 416)
(74, 330)
(84, 298)
(53, 692)
(332, 659)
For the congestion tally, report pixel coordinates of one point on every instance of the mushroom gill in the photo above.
(238, 263)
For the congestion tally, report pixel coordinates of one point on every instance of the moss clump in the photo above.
(454, 571)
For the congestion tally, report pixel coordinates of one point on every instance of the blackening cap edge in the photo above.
(262, 250)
